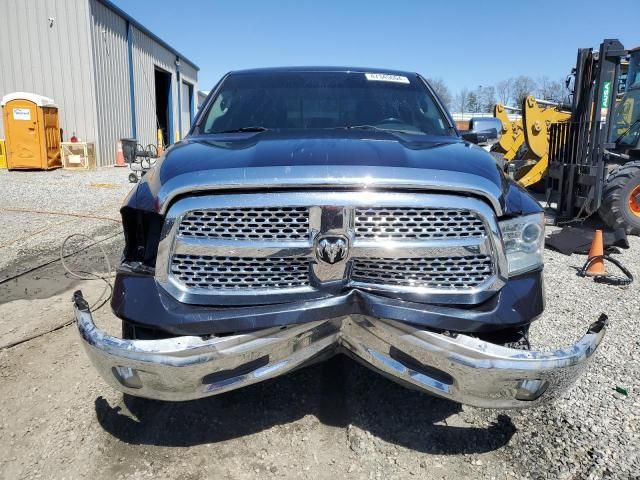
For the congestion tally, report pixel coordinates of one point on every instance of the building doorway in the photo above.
(186, 110)
(164, 107)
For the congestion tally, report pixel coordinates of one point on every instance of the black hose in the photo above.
(607, 279)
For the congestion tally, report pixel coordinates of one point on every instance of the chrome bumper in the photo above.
(460, 368)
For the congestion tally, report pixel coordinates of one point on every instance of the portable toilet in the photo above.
(3, 156)
(32, 132)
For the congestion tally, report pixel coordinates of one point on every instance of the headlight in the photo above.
(523, 239)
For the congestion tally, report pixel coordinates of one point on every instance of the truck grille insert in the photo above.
(272, 247)
(416, 223)
(269, 223)
(203, 271)
(440, 273)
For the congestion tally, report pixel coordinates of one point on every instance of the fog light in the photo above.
(127, 377)
(529, 390)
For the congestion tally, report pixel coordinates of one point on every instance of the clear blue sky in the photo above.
(467, 43)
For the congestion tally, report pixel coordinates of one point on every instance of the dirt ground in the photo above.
(58, 419)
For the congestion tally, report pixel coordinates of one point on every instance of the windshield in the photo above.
(626, 119)
(633, 75)
(324, 100)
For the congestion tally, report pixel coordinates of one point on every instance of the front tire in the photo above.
(620, 206)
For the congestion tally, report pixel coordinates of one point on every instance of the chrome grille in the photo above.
(204, 271)
(439, 273)
(416, 223)
(267, 247)
(271, 223)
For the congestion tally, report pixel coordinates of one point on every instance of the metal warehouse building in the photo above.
(110, 76)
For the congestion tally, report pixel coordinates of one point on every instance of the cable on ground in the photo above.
(61, 214)
(104, 297)
(608, 279)
(54, 260)
(82, 275)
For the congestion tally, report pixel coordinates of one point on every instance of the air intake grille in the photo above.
(416, 223)
(269, 223)
(203, 271)
(279, 245)
(439, 273)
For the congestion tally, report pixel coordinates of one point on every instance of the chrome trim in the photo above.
(460, 368)
(417, 248)
(244, 248)
(356, 177)
(331, 214)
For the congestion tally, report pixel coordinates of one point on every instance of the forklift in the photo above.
(594, 157)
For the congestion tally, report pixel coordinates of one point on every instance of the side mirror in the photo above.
(483, 138)
(483, 131)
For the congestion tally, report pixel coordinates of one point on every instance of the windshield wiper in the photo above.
(381, 129)
(633, 124)
(245, 129)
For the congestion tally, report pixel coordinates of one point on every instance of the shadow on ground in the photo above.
(338, 392)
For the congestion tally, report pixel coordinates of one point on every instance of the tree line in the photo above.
(511, 91)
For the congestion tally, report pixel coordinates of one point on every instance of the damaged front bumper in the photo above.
(461, 368)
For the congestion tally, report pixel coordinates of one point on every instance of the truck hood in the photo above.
(325, 159)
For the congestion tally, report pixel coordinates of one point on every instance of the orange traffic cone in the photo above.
(596, 267)
(120, 156)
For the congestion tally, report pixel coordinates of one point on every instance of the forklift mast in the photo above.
(577, 160)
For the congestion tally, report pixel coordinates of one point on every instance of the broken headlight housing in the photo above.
(523, 239)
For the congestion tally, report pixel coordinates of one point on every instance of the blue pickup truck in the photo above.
(315, 211)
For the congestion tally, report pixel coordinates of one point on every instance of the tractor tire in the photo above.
(620, 206)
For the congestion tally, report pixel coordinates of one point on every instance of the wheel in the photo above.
(133, 178)
(621, 198)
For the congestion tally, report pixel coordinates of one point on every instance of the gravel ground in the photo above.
(336, 419)
(39, 209)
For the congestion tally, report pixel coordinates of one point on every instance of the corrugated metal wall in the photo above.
(190, 76)
(80, 59)
(147, 55)
(110, 54)
(50, 58)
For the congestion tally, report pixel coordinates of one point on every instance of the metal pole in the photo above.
(179, 78)
(132, 89)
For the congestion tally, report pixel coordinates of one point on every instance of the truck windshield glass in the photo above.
(324, 100)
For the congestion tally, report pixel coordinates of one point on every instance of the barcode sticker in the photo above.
(385, 77)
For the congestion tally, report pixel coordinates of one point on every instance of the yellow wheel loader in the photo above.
(537, 117)
(512, 136)
(525, 143)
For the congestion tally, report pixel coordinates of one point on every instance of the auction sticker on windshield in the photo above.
(385, 77)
